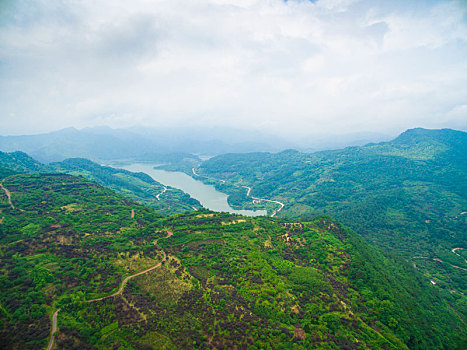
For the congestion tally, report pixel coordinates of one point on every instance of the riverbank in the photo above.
(207, 195)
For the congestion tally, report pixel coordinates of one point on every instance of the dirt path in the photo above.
(207, 177)
(125, 281)
(255, 199)
(8, 194)
(118, 292)
(441, 261)
(454, 251)
(445, 262)
(54, 329)
(165, 189)
(248, 190)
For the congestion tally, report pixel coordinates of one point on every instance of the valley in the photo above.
(207, 195)
(233, 175)
(136, 185)
(86, 267)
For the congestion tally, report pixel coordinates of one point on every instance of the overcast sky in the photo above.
(330, 66)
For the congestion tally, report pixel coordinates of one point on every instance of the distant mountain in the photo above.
(417, 135)
(408, 196)
(166, 145)
(70, 142)
(319, 142)
(158, 145)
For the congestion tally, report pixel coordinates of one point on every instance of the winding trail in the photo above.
(118, 292)
(445, 262)
(441, 261)
(8, 194)
(157, 196)
(248, 190)
(255, 199)
(454, 251)
(207, 177)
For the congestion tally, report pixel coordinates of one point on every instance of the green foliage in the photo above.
(109, 328)
(226, 280)
(405, 196)
(4, 172)
(309, 278)
(138, 186)
(20, 162)
(30, 229)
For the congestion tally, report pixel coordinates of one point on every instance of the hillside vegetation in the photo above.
(138, 186)
(223, 280)
(407, 196)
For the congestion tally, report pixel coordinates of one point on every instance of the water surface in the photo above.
(207, 195)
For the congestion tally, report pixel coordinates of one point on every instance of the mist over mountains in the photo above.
(140, 143)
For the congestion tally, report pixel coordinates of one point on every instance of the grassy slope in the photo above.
(227, 280)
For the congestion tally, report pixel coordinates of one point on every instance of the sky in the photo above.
(293, 68)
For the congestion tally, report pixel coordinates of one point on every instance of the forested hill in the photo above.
(206, 280)
(138, 186)
(408, 196)
(21, 162)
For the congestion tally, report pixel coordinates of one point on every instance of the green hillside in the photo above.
(407, 196)
(21, 162)
(217, 280)
(138, 186)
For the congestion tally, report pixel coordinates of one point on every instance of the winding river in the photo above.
(207, 195)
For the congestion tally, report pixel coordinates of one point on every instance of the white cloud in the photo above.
(292, 66)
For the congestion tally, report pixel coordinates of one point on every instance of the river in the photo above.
(207, 195)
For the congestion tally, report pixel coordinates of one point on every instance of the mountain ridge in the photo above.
(405, 195)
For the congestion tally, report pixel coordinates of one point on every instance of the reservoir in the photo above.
(207, 195)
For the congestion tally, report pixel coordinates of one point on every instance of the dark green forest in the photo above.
(407, 196)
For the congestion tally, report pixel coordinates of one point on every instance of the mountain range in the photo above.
(163, 144)
(108, 272)
(407, 196)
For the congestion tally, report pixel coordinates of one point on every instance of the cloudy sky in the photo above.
(291, 67)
